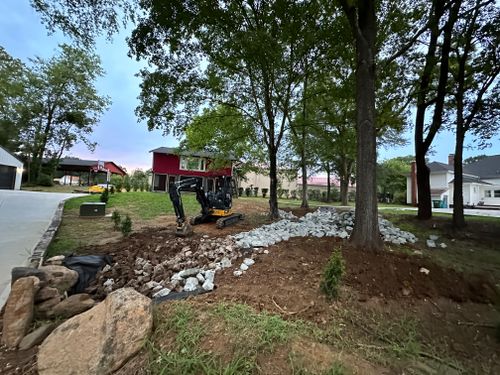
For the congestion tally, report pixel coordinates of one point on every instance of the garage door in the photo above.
(7, 177)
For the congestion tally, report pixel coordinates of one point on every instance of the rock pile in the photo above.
(323, 222)
(193, 263)
(39, 293)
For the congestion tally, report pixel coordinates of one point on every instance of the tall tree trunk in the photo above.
(303, 167)
(344, 190)
(366, 233)
(328, 183)
(273, 188)
(458, 200)
(423, 185)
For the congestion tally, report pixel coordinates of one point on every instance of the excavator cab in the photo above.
(215, 205)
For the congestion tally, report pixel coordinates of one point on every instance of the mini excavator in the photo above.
(215, 206)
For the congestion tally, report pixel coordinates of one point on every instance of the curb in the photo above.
(39, 251)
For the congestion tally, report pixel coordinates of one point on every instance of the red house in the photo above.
(170, 165)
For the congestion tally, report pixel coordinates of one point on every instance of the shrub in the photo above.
(45, 180)
(332, 275)
(248, 190)
(280, 193)
(126, 226)
(240, 191)
(285, 193)
(255, 191)
(104, 196)
(264, 192)
(117, 182)
(293, 194)
(117, 219)
(136, 184)
(126, 183)
(112, 189)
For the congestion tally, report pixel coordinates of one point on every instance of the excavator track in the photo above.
(228, 220)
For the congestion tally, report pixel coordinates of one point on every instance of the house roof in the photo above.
(19, 162)
(488, 167)
(436, 166)
(177, 151)
(71, 162)
(471, 179)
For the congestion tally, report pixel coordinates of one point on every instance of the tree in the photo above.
(13, 84)
(473, 159)
(391, 177)
(61, 105)
(441, 20)
(253, 53)
(362, 21)
(475, 90)
(226, 133)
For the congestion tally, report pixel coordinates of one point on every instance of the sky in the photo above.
(119, 136)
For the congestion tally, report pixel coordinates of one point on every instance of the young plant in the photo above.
(104, 196)
(264, 192)
(126, 226)
(117, 219)
(332, 275)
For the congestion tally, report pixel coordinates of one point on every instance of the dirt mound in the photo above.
(396, 275)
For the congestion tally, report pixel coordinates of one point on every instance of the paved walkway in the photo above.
(24, 218)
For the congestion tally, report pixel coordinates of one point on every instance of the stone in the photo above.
(106, 268)
(433, 237)
(238, 273)
(19, 310)
(108, 284)
(148, 268)
(208, 285)
(100, 340)
(46, 305)
(162, 293)
(225, 262)
(55, 260)
(417, 252)
(18, 272)
(191, 284)
(424, 270)
(248, 261)
(36, 337)
(442, 245)
(60, 277)
(46, 293)
(431, 243)
(210, 275)
(189, 272)
(200, 278)
(243, 267)
(73, 305)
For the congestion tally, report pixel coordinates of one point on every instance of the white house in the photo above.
(11, 170)
(481, 182)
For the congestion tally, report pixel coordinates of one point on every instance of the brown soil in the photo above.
(454, 310)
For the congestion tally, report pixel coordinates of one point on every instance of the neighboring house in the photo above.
(321, 183)
(170, 165)
(71, 170)
(481, 182)
(11, 170)
(261, 180)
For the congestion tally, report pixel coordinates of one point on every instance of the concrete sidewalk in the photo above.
(24, 218)
(467, 211)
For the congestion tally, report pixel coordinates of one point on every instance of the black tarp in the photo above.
(87, 267)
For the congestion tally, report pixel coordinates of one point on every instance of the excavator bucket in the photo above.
(184, 230)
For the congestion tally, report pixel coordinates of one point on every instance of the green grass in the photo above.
(185, 357)
(142, 207)
(139, 205)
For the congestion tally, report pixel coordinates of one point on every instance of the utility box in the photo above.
(93, 209)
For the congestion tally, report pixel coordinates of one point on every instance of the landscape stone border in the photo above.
(36, 257)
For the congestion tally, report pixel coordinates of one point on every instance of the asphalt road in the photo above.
(24, 217)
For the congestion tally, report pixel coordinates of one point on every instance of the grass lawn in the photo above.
(142, 207)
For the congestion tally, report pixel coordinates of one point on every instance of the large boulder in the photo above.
(19, 310)
(100, 340)
(46, 293)
(60, 277)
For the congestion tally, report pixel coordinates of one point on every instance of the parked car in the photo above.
(99, 188)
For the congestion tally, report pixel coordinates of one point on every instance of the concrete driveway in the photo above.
(467, 211)
(24, 218)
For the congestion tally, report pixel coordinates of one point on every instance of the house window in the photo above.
(192, 164)
(487, 193)
(497, 194)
